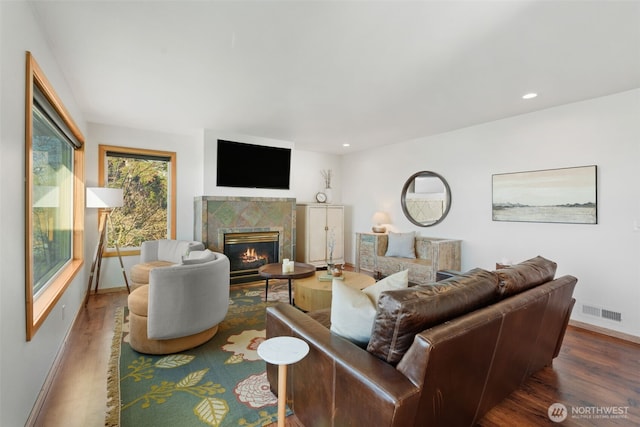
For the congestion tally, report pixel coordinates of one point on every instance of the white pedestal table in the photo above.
(282, 351)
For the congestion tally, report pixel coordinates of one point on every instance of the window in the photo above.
(54, 197)
(147, 178)
(52, 208)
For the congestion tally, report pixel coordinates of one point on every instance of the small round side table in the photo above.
(282, 351)
(274, 271)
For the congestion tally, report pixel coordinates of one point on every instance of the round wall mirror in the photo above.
(426, 198)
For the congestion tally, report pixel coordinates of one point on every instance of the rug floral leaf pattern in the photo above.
(220, 383)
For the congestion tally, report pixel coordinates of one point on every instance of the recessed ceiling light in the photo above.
(529, 95)
(346, 145)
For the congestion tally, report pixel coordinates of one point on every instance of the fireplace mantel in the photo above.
(217, 215)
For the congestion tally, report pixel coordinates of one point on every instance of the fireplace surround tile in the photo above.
(216, 215)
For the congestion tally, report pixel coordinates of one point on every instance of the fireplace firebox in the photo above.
(249, 251)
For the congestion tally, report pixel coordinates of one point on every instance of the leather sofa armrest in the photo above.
(564, 328)
(339, 383)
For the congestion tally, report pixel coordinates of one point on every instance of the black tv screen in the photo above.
(253, 166)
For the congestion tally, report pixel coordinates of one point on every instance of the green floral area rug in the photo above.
(220, 383)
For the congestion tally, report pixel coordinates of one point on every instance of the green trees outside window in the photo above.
(52, 209)
(146, 178)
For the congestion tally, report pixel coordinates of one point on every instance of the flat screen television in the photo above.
(252, 166)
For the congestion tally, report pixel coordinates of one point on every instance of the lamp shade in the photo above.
(101, 197)
(378, 219)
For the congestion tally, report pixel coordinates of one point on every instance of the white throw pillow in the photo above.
(401, 245)
(199, 257)
(397, 280)
(353, 311)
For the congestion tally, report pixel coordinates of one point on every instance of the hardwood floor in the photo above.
(78, 393)
(593, 372)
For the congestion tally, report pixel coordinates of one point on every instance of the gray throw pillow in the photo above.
(402, 245)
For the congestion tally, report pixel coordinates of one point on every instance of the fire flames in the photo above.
(250, 255)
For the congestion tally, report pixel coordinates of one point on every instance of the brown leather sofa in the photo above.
(440, 354)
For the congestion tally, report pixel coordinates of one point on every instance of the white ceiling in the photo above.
(325, 73)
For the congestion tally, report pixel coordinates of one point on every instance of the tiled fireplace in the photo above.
(251, 231)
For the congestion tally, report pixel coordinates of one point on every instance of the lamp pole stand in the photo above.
(97, 257)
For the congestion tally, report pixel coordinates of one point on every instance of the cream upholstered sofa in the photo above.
(160, 253)
(181, 306)
(422, 256)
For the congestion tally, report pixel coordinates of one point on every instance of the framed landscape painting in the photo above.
(567, 195)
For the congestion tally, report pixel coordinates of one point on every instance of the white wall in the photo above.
(24, 365)
(604, 257)
(308, 178)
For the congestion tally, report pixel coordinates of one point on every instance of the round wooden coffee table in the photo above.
(315, 294)
(274, 271)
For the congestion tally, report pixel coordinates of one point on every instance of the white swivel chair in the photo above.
(181, 306)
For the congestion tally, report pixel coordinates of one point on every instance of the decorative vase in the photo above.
(327, 192)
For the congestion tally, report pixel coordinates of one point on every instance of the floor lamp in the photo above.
(105, 199)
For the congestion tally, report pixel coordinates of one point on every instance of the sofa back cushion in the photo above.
(401, 314)
(526, 275)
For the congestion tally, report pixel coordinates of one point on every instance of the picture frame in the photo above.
(565, 195)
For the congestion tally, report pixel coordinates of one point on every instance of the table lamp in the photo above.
(378, 219)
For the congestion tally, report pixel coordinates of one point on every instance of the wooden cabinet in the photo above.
(319, 234)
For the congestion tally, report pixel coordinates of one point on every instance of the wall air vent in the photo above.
(601, 312)
(590, 310)
(612, 315)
